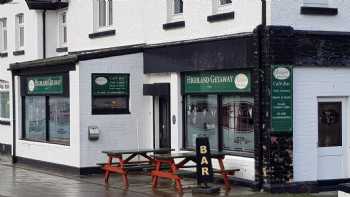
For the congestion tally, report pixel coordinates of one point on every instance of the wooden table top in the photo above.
(137, 151)
(188, 155)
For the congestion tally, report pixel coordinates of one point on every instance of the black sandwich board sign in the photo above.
(204, 165)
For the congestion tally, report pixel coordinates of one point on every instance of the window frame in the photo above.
(18, 26)
(172, 16)
(109, 17)
(219, 8)
(5, 119)
(3, 35)
(61, 26)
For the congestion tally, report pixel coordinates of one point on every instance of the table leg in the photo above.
(124, 173)
(107, 168)
(155, 178)
(222, 169)
(177, 180)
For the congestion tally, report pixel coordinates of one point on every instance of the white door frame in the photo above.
(343, 150)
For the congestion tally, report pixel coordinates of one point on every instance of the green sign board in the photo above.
(110, 84)
(281, 98)
(44, 85)
(217, 82)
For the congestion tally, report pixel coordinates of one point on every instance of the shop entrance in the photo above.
(332, 127)
(164, 122)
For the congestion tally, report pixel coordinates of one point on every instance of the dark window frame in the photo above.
(115, 111)
(47, 106)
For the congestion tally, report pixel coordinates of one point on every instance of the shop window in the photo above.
(3, 34)
(237, 124)
(19, 31)
(4, 105)
(46, 109)
(202, 119)
(103, 14)
(110, 93)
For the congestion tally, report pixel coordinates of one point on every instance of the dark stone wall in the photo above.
(277, 149)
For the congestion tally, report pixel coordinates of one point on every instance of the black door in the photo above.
(164, 123)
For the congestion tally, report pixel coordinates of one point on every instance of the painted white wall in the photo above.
(119, 131)
(309, 83)
(32, 47)
(53, 153)
(287, 13)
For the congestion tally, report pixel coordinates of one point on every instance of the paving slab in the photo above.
(21, 180)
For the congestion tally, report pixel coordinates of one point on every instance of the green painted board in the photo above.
(217, 82)
(110, 84)
(282, 98)
(44, 85)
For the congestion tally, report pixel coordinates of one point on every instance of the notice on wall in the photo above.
(281, 98)
(110, 84)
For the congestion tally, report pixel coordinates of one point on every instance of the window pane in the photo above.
(59, 120)
(20, 18)
(64, 34)
(102, 13)
(110, 12)
(178, 6)
(5, 40)
(35, 118)
(223, 2)
(238, 124)
(201, 119)
(21, 36)
(329, 124)
(4, 105)
(64, 18)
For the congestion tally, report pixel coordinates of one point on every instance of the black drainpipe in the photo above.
(44, 34)
(260, 31)
(14, 158)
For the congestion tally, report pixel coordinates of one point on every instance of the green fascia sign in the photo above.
(44, 85)
(217, 82)
(110, 84)
(282, 98)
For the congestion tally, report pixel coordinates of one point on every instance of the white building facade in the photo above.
(181, 69)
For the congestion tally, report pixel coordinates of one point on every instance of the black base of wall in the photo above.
(64, 169)
(5, 149)
(305, 187)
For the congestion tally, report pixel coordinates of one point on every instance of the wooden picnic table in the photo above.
(186, 157)
(123, 164)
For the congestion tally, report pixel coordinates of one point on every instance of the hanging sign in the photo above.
(110, 84)
(4, 85)
(217, 82)
(43, 85)
(281, 98)
(204, 165)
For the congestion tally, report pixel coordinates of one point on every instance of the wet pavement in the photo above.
(26, 181)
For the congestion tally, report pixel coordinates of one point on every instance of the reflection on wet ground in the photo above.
(25, 181)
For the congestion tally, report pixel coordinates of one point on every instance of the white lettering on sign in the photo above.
(203, 149)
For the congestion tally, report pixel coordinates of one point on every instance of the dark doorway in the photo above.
(164, 123)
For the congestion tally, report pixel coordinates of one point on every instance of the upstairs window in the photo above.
(175, 10)
(222, 6)
(3, 34)
(318, 3)
(19, 31)
(103, 10)
(62, 29)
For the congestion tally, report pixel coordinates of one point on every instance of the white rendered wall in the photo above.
(53, 153)
(287, 13)
(309, 83)
(119, 131)
(32, 48)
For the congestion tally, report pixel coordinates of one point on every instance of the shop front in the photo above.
(219, 105)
